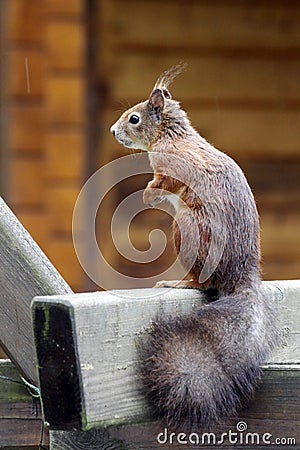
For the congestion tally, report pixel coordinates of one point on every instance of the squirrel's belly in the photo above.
(175, 201)
(175, 198)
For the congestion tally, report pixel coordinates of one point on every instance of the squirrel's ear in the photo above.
(156, 103)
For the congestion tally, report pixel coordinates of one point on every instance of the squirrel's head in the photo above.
(141, 126)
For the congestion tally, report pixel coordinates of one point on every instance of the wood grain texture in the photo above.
(19, 427)
(25, 272)
(200, 25)
(274, 410)
(105, 327)
(273, 414)
(96, 439)
(208, 78)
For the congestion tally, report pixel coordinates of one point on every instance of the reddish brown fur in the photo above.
(200, 367)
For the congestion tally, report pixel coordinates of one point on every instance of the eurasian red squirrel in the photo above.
(200, 367)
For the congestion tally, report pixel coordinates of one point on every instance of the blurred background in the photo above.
(70, 68)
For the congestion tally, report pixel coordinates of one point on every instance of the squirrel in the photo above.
(200, 367)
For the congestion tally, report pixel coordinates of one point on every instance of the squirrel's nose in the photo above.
(112, 130)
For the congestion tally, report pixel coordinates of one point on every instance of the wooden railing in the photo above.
(87, 364)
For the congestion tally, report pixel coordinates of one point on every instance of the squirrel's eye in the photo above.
(134, 119)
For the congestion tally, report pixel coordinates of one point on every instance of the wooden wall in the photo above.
(241, 91)
(46, 118)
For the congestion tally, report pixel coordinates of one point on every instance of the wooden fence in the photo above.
(84, 348)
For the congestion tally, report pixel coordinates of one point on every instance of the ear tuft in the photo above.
(168, 76)
(156, 103)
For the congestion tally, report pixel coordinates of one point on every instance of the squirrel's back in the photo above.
(199, 367)
(218, 198)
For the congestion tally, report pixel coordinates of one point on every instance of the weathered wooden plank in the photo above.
(265, 414)
(19, 426)
(273, 417)
(96, 439)
(210, 77)
(25, 272)
(89, 340)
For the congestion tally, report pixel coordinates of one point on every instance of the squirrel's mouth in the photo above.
(128, 143)
(124, 141)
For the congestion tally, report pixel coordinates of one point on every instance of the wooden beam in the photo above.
(273, 416)
(87, 355)
(19, 428)
(25, 272)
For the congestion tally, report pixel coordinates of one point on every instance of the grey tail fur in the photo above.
(201, 367)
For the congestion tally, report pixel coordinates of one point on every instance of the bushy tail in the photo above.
(198, 368)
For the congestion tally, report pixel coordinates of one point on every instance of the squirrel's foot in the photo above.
(179, 284)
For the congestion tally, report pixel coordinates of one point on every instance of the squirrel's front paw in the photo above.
(167, 284)
(179, 284)
(152, 196)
